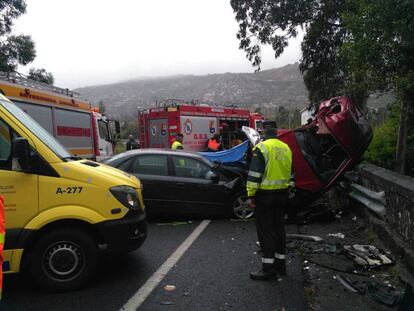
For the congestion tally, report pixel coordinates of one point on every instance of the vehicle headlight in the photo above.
(127, 196)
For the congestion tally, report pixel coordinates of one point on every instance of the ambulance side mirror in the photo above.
(21, 155)
(115, 130)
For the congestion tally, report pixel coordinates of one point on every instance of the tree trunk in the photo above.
(401, 152)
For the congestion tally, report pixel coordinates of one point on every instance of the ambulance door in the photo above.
(104, 139)
(20, 191)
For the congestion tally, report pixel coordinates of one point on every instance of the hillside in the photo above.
(276, 87)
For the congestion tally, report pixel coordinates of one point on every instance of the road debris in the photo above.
(169, 288)
(305, 237)
(174, 223)
(385, 294)
(367, 255)
(337, 235)
(347, 283)
(166, 303)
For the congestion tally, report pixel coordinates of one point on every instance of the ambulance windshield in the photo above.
(37, 130)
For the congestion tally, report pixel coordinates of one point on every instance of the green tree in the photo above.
(274, 22)
(382, 149)
(14, 49)
(282, 117)
(353, 47)
(101, 105)
(129, 127)
(380, 53)
(41, 75)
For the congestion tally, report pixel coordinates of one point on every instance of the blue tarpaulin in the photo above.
(235, 154)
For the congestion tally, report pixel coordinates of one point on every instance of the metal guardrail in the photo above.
(374, 201)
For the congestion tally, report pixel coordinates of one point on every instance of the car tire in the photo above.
(240, 208)
(63, 259)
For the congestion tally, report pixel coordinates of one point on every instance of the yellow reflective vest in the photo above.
(275, 172)
(177, 145)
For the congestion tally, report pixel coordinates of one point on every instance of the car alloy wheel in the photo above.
(241, 209)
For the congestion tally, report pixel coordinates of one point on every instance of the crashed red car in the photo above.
(329, 146)
(325, 149)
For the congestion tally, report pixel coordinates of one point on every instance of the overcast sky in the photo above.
(90, 42)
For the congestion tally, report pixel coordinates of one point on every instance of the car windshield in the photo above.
(37, 130)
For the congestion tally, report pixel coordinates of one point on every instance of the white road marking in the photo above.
(139, 297)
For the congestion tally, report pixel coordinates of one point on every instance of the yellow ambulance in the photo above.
(61, 211)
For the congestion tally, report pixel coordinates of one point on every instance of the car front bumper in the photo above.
(125, 234)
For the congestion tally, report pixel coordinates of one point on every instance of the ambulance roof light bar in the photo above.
(18, 78)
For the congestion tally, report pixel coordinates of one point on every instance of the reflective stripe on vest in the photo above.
(213, 145)
(2, 238)
(278, 158)
(255, 174)
(176, 144)
(254, 185)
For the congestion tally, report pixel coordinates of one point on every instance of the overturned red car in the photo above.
(329, 146)
(333, 143)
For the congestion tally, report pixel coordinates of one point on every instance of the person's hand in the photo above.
(291, 192)
(251, 203)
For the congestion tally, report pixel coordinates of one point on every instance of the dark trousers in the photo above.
(269, 217)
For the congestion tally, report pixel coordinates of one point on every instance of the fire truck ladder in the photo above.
(18, 78)
(143, 129)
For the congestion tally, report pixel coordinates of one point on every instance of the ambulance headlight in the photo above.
(127, 196)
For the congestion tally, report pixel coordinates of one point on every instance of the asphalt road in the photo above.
(212, 274)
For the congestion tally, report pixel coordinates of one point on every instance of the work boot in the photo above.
(280, 266)
(266, 274)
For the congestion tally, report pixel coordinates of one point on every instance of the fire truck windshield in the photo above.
(36, 129)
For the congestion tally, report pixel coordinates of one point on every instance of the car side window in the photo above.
(151, 164)
(126, 165)
(191, 168)
(6, 137)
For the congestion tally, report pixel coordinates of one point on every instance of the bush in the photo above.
(382, 150)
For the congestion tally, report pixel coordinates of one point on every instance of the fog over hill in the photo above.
(267, 89)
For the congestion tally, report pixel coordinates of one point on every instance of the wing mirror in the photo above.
(21, 161)
(215, 178)
(115, 130)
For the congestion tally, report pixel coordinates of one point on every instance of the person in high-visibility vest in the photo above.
(268, 182)
(214, 143)
(2, 235)
(178, 142)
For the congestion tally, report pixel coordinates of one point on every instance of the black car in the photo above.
(179, 183)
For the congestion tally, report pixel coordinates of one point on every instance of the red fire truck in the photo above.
(197, 122)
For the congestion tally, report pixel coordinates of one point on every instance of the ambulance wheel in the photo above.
(64, 259)
(241, 209)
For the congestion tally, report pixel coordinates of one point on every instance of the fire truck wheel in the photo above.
(63, 259)
(240, 207)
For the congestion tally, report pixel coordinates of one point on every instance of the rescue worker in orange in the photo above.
(2, 235)
(214, 143)
(268, 182)
(178, 142)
